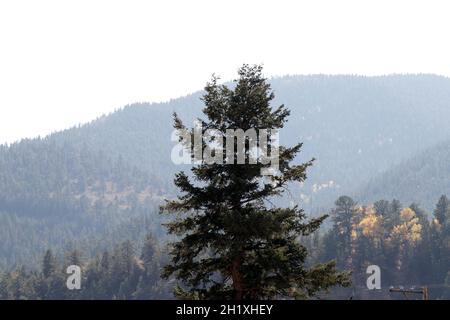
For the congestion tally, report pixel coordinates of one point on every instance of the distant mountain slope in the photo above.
(94, 178)
(62, 195)
(356, 127)
(421, 179)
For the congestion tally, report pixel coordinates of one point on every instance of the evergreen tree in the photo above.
(442, 210)
(343, 215)
(49, 264)
(127, 258)
(233, 245)
(74, 258)
(149, 251)
(440, 237)
(103, 275)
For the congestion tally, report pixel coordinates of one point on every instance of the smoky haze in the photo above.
(64, 63)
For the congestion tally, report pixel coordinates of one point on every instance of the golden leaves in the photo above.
(407, 214)
(409, 230)
(370, 224)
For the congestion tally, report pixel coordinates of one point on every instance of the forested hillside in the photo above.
(356, 127)
(125, 272)
(90, 185)
(54, 194)
(410, 249)
(420, 178)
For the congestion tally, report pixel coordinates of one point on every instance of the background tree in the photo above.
(440, 240)
(49, 264)
(233, 243)
(343, 216)
(442, 211)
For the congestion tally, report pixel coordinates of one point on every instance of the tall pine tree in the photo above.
(234, 244)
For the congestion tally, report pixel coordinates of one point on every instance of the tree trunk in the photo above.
(237, 279)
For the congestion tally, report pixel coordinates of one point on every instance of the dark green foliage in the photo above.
(411, 250)
(233, 243)
(118, 275)
(442, 211)
(339, 240)
(49, 264)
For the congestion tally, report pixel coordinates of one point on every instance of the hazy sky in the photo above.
(67, 62)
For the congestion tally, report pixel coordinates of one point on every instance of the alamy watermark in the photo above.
(74, 280)
(374, 280)
(234, 146)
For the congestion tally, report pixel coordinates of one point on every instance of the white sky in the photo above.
(67, 62)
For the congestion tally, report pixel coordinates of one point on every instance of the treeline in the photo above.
(411, 247)
(124, 273)
(23, 239)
